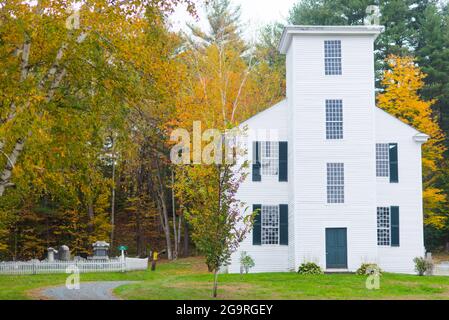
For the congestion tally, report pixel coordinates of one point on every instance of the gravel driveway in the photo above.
(101, 290)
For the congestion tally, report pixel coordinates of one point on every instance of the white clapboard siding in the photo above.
(301, 120)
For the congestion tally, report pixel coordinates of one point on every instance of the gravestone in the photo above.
(64, 253)
(51, 254)
(101, 250)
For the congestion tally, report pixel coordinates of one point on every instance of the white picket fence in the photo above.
(441, 269)
(83, 266)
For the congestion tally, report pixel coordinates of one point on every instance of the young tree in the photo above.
(218, 219)
(401, 98)
(215, 93)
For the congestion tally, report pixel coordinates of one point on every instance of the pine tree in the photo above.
(224, 25)
(433, 56)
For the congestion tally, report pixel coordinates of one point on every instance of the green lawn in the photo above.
(188, 279)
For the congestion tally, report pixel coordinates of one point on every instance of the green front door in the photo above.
(336, 248)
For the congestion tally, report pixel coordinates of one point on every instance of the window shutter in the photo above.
(257, 226)
(283, 161)
(394, 222)
(394, 171)
(283, 224)
(256, 161)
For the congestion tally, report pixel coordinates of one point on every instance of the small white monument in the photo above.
(101, 250)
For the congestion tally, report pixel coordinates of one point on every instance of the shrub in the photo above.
(369, 269)
(422, 265)
(309, 268)
(246, 261)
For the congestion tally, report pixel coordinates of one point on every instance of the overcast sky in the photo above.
(254, 15)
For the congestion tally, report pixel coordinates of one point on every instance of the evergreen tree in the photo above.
(329, 12)
(433, 56)
(224, 24)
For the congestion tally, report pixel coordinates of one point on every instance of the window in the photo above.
(270, 224)
(382, 160)
(335, 183)
(332, 57)
(270, 158)
(383, 226)
(334, 119)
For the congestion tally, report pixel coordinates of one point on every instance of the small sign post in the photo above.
(154, 261)
(122, 250)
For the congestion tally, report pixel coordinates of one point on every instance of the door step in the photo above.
(337, 271)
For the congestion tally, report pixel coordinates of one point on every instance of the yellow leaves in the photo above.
(401, 99)
(436, 221)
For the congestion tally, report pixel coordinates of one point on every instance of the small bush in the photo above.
(422, 265)
(369, 269)
(246, 262)
(309, 268)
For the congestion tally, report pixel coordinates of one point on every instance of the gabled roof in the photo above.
(399, 120)
(418, 134)
(290, 31)
(273, 108)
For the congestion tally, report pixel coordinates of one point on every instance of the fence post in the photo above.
(124, 265)
(34, 267)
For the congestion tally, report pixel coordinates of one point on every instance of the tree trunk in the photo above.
(91, 215)
(166, 228)
(215, 289)
(186, 238)
(163, 211)
(178, 240)
(175, 232)
(55, 83)
(10, 163)
(139, 236)
(113, 198)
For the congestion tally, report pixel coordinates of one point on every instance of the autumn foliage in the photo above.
(402, 81)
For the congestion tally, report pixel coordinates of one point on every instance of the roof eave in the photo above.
(289, 31)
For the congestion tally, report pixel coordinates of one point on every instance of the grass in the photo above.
(188, 279)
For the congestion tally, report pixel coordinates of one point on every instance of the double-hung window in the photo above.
(383, 226)
(334, 119)
(388, 226)
(382, 160)
(269, 158)
(332, 57)
(335, 183)
(387, 161)
(270, 224)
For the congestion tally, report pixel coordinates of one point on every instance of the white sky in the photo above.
(254, 15)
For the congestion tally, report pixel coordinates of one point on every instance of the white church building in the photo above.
(340, 184)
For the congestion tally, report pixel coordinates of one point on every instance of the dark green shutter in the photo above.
(257, 226)
(256, 161)
(394, 222)
(283, 224)
(283, 161)
(394, 171)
